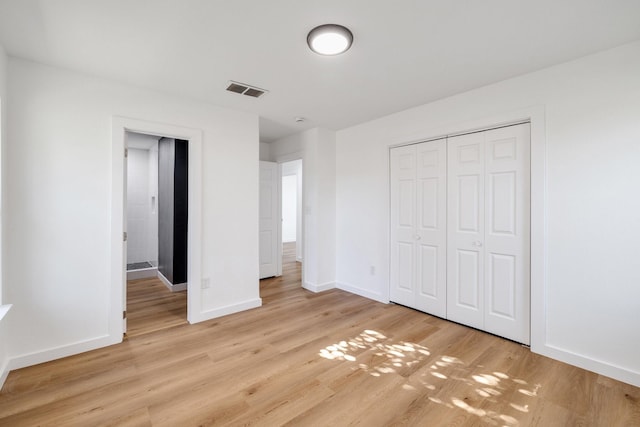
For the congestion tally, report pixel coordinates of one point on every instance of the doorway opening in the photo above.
(290, 234)
(281, 226)
(156, 212)
(117, 292)
(291, 209)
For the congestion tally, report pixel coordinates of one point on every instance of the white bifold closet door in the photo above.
(418, 226)
(460, 229)
(488, 231)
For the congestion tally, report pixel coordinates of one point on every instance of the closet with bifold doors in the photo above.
(460, 229)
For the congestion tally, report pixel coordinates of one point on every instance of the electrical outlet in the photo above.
(372, 270)
(206, 283)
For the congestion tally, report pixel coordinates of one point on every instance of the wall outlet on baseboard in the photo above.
(206, 283)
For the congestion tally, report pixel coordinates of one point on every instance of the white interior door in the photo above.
(418, 198)
(269, 219)
(507, 232)
(465, 237)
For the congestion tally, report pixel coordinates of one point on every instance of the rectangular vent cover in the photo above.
(245, 89)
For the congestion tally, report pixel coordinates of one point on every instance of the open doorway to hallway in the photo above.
(291, 191)
(275, 288)
(289, 199)
(152, 307)
(156, 227)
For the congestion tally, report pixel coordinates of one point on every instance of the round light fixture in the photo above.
(330, 39)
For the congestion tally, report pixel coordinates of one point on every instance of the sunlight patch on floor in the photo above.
(397, 355)
(379, 355)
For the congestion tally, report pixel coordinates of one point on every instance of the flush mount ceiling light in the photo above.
(330, 39)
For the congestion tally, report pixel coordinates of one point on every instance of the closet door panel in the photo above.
(431, 230)
(418, 226)
(468, 280)
(403, 224)
(507, 240)
(465, 233)
(428, 271)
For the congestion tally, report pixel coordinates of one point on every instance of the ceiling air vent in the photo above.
(245, 89)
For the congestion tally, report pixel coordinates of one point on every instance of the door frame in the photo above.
(119, 126)
(535, 115)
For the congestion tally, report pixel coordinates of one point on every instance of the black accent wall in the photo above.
(173, 161)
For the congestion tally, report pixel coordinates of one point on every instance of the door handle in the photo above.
(417, 237)
(477, 243)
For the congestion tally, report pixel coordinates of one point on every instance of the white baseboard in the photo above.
(362, 292)
(4, 370)
(553, 352)
(144, 273)
(173, 288)
(599, 367)
(319, 288)
(226, 310)
(4, 373)
(54, 353)
(178, 288)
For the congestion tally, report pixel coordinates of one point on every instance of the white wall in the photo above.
(324, 175)
(265, 152)
(316, 148)
(590, 312)
(138, 207)
(289, 202)
(4, 357)
(142, 198)
(58, 177)
(4, 62)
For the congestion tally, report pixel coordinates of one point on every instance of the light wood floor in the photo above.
(304, 359)
(152, 307)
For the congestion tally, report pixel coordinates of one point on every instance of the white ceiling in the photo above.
(405, 53)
